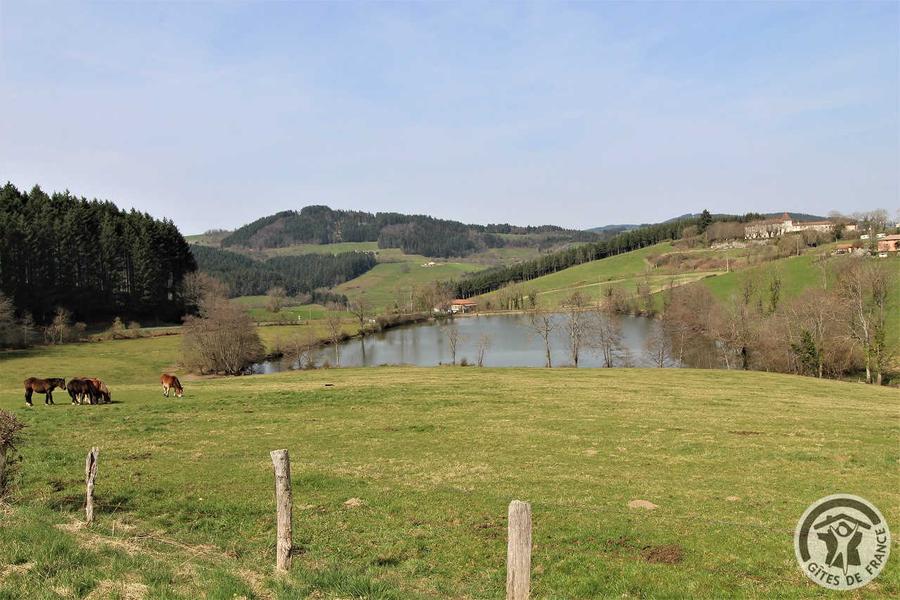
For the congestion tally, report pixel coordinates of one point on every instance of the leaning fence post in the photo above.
(283, 504)
(518, 551)
(90, 475)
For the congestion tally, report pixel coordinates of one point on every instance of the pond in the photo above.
(511, 343)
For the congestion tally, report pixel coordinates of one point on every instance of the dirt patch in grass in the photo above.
(118, 589)
(354, 503)
(91, 540)
(15, 570)
(669, 554)
(644, 504)
(745, 432)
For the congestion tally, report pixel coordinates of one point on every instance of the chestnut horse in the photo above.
(100, 391)
(171, 382)
(43, 386)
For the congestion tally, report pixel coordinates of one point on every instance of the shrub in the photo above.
(223, 339)
(10, 435)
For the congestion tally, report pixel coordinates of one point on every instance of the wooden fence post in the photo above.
(518, 551)
(283, 506)
(90, 475)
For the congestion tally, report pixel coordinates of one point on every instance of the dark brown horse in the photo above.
(80, 388)
(101, 392)
(43, 386)
(171, 382)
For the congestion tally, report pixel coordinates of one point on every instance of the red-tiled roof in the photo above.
(464, 302)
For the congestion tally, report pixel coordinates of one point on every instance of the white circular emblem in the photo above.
(842, 542)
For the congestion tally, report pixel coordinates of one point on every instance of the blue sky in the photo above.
(580, 114)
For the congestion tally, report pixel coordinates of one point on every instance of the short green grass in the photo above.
(797, 273)
(257, 306)
(592, 279)
(207, 239)
(390, 283)
(185, 502)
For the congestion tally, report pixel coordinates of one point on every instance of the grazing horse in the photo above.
(43, 386)
(80, 388)
(100, 390)
(171, 382)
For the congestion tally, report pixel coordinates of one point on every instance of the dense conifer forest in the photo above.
(89, 257)
(414, 234)
(306, 273)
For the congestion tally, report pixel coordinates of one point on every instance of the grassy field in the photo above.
(592, 279)
(207, 239)
(797, 273)
(389, 282)
(432, 457)
(256, 305)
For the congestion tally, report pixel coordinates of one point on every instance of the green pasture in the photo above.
(402, 476)
(388, 283)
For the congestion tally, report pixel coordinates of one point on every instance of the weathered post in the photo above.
(283, 506)
(90, 475)
(518, 551)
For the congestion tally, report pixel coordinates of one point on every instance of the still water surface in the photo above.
(512, 344)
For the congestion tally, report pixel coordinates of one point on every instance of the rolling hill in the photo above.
(414, 234)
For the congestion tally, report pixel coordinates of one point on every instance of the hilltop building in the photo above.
(772, 228)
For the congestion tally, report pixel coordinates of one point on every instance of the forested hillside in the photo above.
(87, 256)
(414, 234)
(296, 274)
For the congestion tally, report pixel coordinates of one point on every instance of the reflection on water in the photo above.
(512, 344)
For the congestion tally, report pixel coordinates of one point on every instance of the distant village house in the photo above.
(463, 306)
(777, 227)
(888, 244)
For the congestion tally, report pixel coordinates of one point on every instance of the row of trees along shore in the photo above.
(836, 329)
(489, 280)
(89, 258)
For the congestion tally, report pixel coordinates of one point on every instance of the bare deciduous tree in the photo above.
(453, 339)
(575, 324)
(815, 324)
(484, 342)
(60, 329)
(275, 298)
(223, 339)
(659, 346)
(606, 337)
(865, 286)
(198, 287)
(334, 326)
(361, 308)
(543, 324)
(300, 348)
